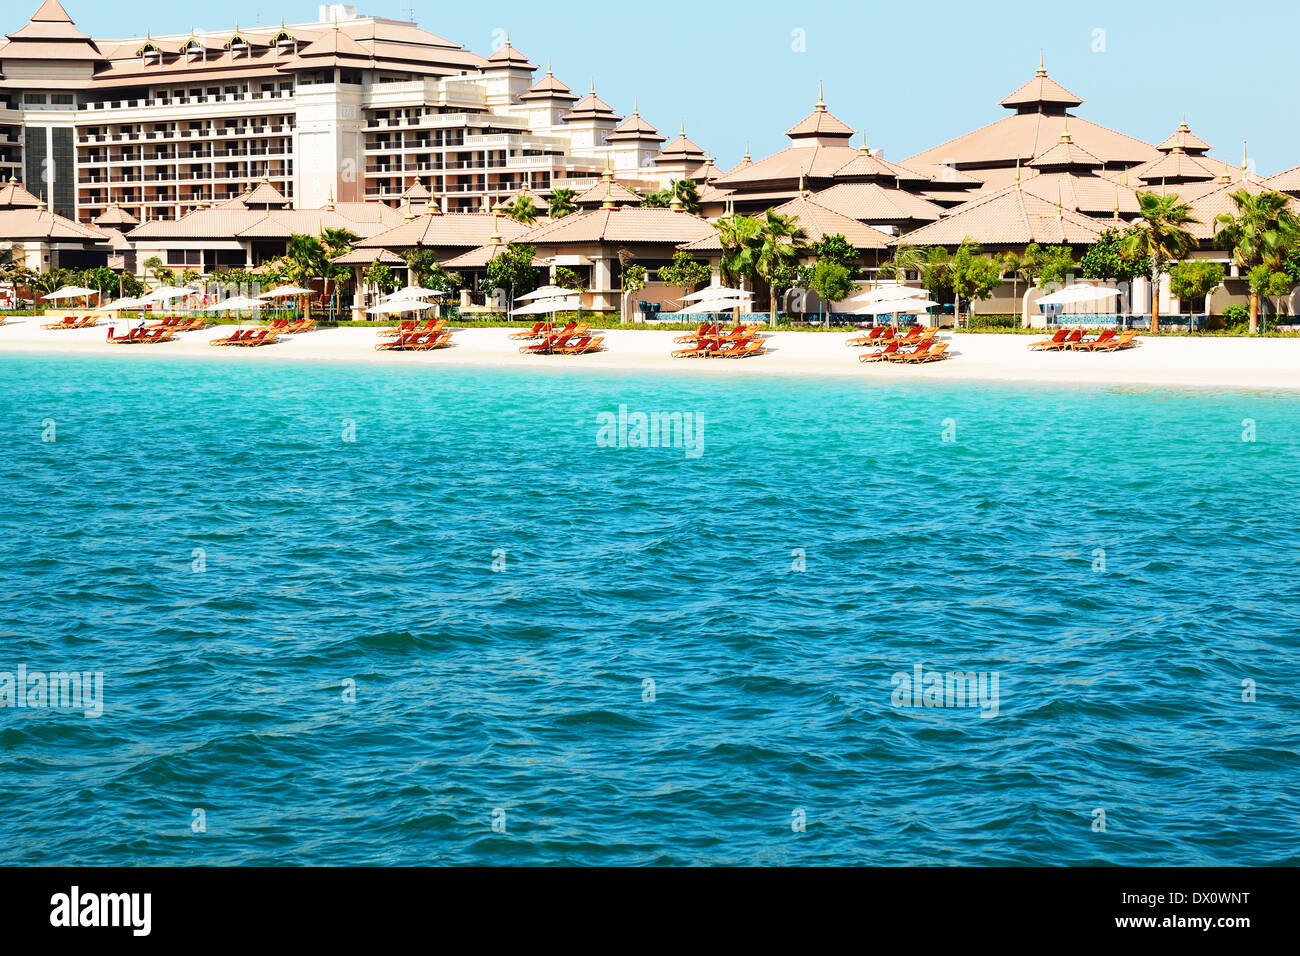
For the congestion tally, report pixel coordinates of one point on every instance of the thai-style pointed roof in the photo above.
(115, 215)
(1183, 138)
(1177, 167)
(453, 230)
(866, 166)
(592, 107)
(1041, 91)
(549, 88)
(1086, 193)
(820, 124)
(50, 35)
(625, 224)
(1011, 216)
(817, 221)
(873, 203)
(607, 189)
(634, 129)
(507, 57)
(14, 196)
(417, 191)
(680, 150)
(333, 43)
(540, 205)
(1065, 155)
(265, 196)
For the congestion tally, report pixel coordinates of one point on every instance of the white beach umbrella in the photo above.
(1072, 294)
(285, 291)
(167, 293)
(412, 292)
(235, 304)
(889, 292)
(546, 292)
(717, 292)
(896, 306)
(70, 292)
(544, 306)
(398, 306)
(119, 305)
(712, 305)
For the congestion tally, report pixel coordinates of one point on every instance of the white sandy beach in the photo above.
(1175, 361)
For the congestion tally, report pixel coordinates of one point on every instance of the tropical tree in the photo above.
(10, 260)
(1159, 235)
(1264, 282)
(381, 277)
(305, 260)
(975, 277)
(1261, 233)
(1196, 278)
(685, 272)
(1110, 259)
(562, 202)
(512, 271)
(737, 235)
(683, 190)
(932, 265)
(779, 245)
(161, 274)
(521, 209)
(569, 279)
(633, 281)
(831, 280)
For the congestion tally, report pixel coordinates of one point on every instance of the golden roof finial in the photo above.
(636, 106)
(608, 201)
(1042, 67)
(1245, 162)
(1017, 171)
(548, 66)
(1116, 202)
(821, 99)
(747, 158)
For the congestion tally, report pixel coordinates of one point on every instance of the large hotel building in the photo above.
(348, 109)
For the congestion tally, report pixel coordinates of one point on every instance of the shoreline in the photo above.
(1186, 362)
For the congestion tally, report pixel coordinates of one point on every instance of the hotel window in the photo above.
(35, 99)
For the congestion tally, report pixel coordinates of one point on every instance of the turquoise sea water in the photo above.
(207, 537)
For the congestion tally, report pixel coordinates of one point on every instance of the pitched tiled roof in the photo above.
(616, 193)
(591, 107)
(1209, 200)
(22, 224)
(14, 196)
(549, 88)
(1286, 182)
(50, 35)
(867, 166)
(1012, 216)
(821, 123)
(539, 203)
(507, 56)
(1066, 154)
(1042, 89)
(817, 221)
(229, 221)
(814, 162)
(680, 150)
(1185, 138)
(265, 195)
(417, 190)
(1090, 195)
(1176, 166)
(872, 202)
(451, 230)
(634, 129)
(628, 224)
(115, 215)
(1023, 136)
(481, 256)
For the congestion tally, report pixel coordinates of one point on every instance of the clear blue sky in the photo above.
(911, 74)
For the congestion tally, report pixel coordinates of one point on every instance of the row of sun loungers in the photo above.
(572, 339)
(709, 342)
(73, 322)
(141, 336)
(417, 342)
(412, 326)
(884, 334)
(249, 337)
(1065, 341)
(927, 351)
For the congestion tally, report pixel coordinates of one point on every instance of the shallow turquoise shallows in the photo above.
(402, 615)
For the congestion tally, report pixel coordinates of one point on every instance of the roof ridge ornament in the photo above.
(1042, 67)
(821, 99)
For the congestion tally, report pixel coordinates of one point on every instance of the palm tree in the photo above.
(686, 193)
(1261, 232)
(736, 233)
(337, 242)
(1158, 234)
(521, 209)
(779, 245)
(562, 202)
(304, 261)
